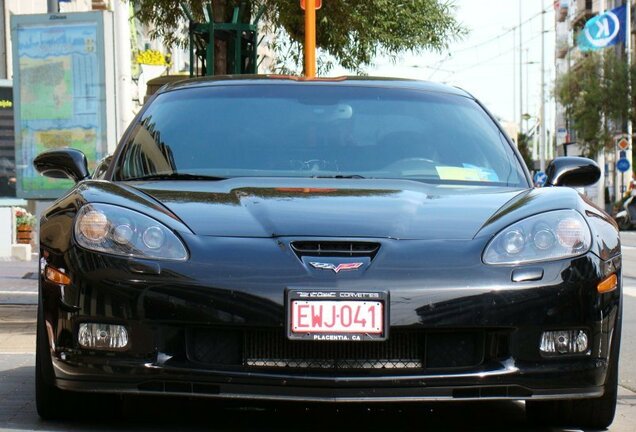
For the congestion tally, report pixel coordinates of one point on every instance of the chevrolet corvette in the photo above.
(349, 240)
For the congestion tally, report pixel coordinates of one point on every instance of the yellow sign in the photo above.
(5, 103)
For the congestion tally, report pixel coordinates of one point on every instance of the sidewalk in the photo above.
(17, 329)
(18, 303)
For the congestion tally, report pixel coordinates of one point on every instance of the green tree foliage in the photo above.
(523, 144)
(596, 99)
(352, 32)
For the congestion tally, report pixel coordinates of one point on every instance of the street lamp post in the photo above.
(526, 112)
(630, 85)
(520, 68)
(542, 120)
(600, 191)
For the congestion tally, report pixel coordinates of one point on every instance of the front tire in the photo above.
(595, 413)
(51, 403)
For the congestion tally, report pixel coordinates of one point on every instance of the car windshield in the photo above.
(322, 131)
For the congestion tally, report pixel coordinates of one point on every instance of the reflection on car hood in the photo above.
(259, 207)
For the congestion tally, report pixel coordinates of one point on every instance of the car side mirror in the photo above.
(572, 171)
(62, 163)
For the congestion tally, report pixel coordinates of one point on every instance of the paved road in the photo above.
(17, 411)
(17, 285)
(627, 376)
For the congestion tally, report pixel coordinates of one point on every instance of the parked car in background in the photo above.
(626, 216)
(361, 240)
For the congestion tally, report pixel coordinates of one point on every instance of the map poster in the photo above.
(60, 93)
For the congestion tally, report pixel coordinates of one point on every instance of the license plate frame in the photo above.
(310, 295)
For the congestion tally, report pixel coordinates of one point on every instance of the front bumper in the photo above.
(161, 309)
(569, 379)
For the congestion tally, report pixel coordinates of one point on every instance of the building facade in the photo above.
(570, 19)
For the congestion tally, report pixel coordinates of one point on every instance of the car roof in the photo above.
(357, 81)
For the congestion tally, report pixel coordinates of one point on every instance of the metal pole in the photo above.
(542, 120)
(52, 6)
(600, 199)
(520, 70)
(210, 49)
(514, 77)
(310, 38)
(628, 51)
(622, 184)
(527, 99)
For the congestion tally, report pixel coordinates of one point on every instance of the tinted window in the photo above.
(320, 130)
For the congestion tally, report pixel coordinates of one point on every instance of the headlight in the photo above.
(543, 237)
(119, 231)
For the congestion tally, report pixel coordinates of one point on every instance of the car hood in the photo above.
(399, 209)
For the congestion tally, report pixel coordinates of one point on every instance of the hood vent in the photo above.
(335, 248)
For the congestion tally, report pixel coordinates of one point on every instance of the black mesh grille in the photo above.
(405, 349)
(335, 248)
(452, 350)
(215, 347)
(268, 349)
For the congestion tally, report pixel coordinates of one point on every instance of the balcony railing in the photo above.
(584, 9)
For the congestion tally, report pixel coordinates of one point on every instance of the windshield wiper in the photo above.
(175, 176)
(341, 176)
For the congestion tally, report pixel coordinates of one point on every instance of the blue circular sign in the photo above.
(623, 165)
(540, 178)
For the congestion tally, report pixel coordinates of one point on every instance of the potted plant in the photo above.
(24, 222)
(153, 64)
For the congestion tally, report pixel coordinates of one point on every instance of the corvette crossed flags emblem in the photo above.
(337, 268)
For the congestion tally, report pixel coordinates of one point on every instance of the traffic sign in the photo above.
(540, 178)
(622, 143)
(318, 4)
(623, 165)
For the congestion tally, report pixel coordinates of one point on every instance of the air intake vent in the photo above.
(405, 349)
(267, 348)
(335, 248)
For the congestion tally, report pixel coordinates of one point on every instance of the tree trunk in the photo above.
(220, 47)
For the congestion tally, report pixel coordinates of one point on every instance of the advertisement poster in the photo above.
(61, 93)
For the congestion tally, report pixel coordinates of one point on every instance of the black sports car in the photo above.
(339, 240)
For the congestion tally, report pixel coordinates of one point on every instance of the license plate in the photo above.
(337, 315)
